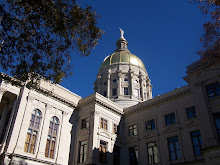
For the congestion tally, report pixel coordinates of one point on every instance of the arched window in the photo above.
(33, 131)
(52, 137)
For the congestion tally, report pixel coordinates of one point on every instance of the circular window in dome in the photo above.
(114, 80)
(125, 79)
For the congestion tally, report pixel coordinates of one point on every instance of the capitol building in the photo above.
(120, 124)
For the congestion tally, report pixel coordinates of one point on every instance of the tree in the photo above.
(211, 37)
(37, 36)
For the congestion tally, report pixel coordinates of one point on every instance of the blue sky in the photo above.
(165, 35)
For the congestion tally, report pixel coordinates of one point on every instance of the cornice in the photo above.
(102, 101)
(158, 101)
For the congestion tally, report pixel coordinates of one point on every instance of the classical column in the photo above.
(98, 85)
(142, 87)
(132, 84)
(108, 84)
(119, 85)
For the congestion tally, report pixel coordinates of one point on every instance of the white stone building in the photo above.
(119, 124)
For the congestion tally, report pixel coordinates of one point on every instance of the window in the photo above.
(102, 152)
(126, 91)
(33, 130)
(150, 125)
(82, 151)
(116, 129)
(133, 156)
(52, 137)
(132, 130)
(125, 79)
(196, 141)
(105, 83)
(104, 124)
(174, 148)
(136, 92)
(170, 119)
(116, 155)
(114, 80)
(114, 91)
(191, 112)
(85, 123)
(104, 93)
(152, 153)
(217, 122)
(213, 90)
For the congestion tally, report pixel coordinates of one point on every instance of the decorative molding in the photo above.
(171, 128)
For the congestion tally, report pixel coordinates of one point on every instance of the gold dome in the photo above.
(123, 57)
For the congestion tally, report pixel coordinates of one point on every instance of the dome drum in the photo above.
(122, 77)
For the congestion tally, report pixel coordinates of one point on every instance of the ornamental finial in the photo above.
(122, 32)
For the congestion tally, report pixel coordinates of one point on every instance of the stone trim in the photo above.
(141, 107)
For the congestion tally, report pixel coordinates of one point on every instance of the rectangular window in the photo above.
(132, 130)
(102, 152)
(114, 91)
(196, 141)
(150, 125)
(133, 156)
(82, 151)
(213, 90)
(217, 122)
(116, 155)
(174, 148)
(104, 124)
(125, 91)
(170, 118)
(104, 93)
(153, 157)
(85, 123)
(191, 112)
(115, 128)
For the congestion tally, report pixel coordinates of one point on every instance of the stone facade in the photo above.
(55, 126)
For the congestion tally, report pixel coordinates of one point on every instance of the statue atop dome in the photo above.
(122, 32)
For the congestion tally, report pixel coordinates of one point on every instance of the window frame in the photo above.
(114, 91)
(154, 155)
(104, 123)
(191, 112)
(85, 123)
(103, 155)
(52, 137)
(170, 118)
(174, 143)
(197, 136)
(133, 151)
(152, 125)
(215, 90)
(84, 152)
(132, 129)
(126, 91)
(33, 131)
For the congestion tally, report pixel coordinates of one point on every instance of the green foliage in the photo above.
(211, 37)
(37, 37)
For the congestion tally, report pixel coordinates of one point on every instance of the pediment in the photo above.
(171, 128)
(150, 134)
(132, 139)
(190, 123)
(83, 132)
(104, 133)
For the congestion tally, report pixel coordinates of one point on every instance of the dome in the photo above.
(123, 57)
